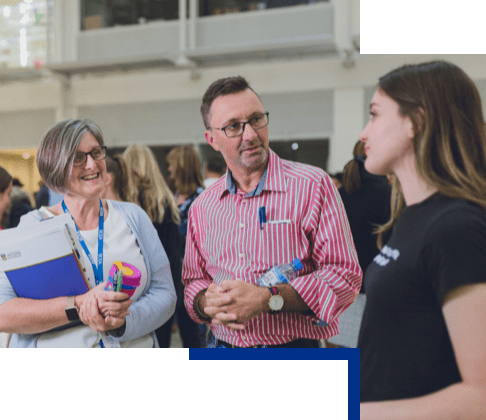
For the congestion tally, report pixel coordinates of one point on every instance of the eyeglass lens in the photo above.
(237, 128)
(97, 153)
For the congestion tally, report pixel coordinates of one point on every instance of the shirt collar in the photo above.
(273, 178)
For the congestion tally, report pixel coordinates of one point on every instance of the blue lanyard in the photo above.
(98, 271)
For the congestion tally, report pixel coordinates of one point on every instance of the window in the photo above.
(23, 34)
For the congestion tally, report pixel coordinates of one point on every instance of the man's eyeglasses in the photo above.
(238, 128)
(80, 158)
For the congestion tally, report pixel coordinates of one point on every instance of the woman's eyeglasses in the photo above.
(80, 158)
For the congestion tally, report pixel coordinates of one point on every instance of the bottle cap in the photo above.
(297, 264)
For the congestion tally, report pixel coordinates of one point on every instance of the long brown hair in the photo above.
(147, 186)
(444, 106)
(117, 167)
(187, 169)
(351, 176)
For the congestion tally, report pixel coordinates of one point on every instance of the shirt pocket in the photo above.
(278, 242)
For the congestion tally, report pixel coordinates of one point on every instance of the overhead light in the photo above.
(26, 155)
(23, 7)
(25, 19)
(294, 146)
(6, 11)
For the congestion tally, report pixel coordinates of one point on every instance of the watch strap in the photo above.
(203, 316)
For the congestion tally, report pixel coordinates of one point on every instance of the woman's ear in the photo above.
(419, 115)
(109, 179)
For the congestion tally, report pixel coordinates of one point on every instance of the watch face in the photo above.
(276, 302)
(72, 314)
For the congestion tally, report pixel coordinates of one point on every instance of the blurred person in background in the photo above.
(41, 196)
(337, 179)
(21, 202)
(46, 197)
(6, 184)
(185, 174)
(71, 162)
(214, 169)
(366, 199)
(117, 179)
(148, 189)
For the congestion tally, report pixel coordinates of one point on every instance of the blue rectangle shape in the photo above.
(351, 355)
(49, 279)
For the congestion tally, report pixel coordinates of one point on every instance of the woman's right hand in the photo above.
(102, 310)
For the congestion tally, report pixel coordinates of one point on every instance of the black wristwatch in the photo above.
(71, 310)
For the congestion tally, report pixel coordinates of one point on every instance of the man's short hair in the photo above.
(218, 88)
(216, 164)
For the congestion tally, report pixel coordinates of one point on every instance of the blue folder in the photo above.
(41, 261)
(49, 279)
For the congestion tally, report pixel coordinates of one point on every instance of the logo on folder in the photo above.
(15, 254)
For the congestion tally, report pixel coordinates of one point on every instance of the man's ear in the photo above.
(210, 139)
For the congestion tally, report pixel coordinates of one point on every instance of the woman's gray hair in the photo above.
(56, 151)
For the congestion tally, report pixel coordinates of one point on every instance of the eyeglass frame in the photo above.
(244, 124)
(103, 151)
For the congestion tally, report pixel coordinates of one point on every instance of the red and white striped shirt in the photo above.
(224, 241)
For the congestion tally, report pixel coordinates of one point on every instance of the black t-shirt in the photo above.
(171, 240)
(437, 246)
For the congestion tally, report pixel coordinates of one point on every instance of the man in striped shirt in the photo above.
(228, 247)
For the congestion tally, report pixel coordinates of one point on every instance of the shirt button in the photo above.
(243, 337)
(244, 201)
(242, 225)
(241, 255)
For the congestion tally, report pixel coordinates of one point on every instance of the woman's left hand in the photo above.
(114, 304)
(102, 310)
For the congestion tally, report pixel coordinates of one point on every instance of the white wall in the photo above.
(303, 97)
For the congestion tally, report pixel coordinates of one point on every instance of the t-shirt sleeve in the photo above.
(455, 250)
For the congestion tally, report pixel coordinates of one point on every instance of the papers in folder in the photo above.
(42, 260)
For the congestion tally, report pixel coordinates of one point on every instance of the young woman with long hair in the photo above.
(186, 176)
(423, 333)
(148, 188)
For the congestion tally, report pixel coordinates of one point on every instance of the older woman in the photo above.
(71, 161)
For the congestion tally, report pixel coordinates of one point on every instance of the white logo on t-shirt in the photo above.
(383, 258)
